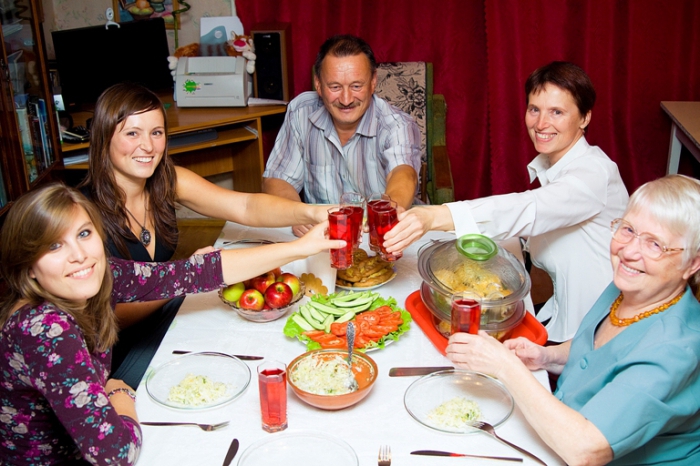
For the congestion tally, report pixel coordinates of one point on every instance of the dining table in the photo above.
(205, 323)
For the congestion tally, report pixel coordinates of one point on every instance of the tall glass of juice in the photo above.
(466, 312)
(272, 383)
(340, 227)
(384, 218)
(356, 203)
(375, 200)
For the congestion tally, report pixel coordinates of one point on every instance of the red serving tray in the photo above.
(529, 328)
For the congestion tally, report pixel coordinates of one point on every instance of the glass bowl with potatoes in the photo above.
(501, 280)
(366, 273)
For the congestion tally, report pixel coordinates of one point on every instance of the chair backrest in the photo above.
(408, 86)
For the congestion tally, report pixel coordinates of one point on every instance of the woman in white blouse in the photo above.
(566, 221)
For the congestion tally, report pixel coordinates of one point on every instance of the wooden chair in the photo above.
(409, 87)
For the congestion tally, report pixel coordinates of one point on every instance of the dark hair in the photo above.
(566, 76)
(113, 107)
(35, 222)
(344, 45)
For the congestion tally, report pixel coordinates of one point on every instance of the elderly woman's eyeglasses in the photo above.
(650, 245)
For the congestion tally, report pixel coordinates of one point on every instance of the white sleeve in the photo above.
(579, 194)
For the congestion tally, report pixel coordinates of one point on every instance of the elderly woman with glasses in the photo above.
(629, 390)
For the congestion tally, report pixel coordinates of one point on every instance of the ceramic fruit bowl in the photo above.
(364, 369)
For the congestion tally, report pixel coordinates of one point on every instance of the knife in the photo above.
(447, 453)
(232, 450)
(242, 357)
(403, 371)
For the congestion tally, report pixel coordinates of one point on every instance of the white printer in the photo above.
(212, 82)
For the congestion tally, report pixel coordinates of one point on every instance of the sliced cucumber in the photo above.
(306, 314)
(318, 315)
(328, 309)
(327, 323)
(355, 302)
(301, 322)
(345, 317)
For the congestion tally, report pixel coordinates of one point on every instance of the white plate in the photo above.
(430, 391)
(218, 368)
(367, 288)
(299, 448)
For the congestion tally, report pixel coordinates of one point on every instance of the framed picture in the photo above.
(136, 10)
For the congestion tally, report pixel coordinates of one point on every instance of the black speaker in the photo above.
(272, 63)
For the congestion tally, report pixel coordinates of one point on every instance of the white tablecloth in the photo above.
(204, 323)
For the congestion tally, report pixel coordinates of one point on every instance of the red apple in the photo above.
(278, 295)
(277, 272)
(262, 282)
(291, 280)
(252, 299)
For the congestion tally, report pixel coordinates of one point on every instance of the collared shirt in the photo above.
(309, 156)
(567, 221)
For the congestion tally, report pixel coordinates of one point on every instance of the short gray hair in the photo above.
(674, 202)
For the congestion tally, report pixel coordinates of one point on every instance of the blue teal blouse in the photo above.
(642, 388)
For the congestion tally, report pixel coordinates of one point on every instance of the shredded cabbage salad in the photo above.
(196, 390)
(322, 376)
(456, 413)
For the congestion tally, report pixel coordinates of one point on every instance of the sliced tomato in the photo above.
(322, 337)
(381, 310)
(361, 341)
(339, 329)
(367, 317)
(314, 333)
(335, 342)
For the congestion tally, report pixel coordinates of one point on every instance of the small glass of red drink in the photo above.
(466, 312)
(376, 199)
(272, 383)
(355, 202)
(384, 217)
(340, 227)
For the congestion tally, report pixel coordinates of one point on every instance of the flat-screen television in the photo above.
(91, 59)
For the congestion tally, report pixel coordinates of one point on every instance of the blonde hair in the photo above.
(36, 221)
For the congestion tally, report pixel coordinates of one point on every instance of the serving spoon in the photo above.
(352, 382)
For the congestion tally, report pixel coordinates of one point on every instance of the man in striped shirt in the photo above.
(342, 138)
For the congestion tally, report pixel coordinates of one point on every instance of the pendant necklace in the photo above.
(145, 236)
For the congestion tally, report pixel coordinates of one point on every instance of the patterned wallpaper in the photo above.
(69, 14)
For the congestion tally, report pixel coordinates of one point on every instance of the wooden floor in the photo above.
(195, 234)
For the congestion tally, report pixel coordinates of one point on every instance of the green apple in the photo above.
(232, 293)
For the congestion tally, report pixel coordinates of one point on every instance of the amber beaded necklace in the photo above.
(617, 322)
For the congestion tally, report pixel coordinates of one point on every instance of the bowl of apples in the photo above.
(266, 297)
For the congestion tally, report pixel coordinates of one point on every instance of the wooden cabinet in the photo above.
(28, 129)
(206, 140)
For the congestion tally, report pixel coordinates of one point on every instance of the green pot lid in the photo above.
(476, 247)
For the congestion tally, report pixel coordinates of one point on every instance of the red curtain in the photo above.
(637, 52)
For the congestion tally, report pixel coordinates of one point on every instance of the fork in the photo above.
(384, 458)
(205, 427)
(489, 429)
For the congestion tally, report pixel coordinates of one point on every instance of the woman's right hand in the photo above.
(413, 224)
(316, 240)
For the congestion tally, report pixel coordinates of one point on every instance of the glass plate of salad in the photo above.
(321, 322)
(198, 381)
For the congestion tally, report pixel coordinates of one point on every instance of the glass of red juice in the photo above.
(340, 227)
(375, 199)
(272, 383)
(356, 203)
(466, 312)
(385, 217)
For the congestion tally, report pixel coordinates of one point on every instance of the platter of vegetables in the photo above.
(321, 323)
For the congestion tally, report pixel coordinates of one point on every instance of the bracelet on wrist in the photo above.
(126, 391)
